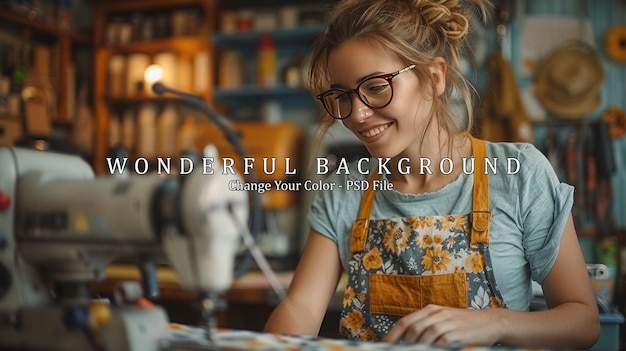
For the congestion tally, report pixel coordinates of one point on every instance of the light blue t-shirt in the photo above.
(529, 211)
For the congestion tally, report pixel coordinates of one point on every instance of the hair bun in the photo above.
(447, 15)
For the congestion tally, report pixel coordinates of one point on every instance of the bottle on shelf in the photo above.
(136, 24)
(115, 131)
(266, 61)
(64, 13)
(168, 63)
(39, 98)
(162, 25)
(186, 135)
(166, 129)
(136, 66)
(201, 66)
(5, 82)
(82, 132)
(184, 72)
(128, 132)
(5, 87)
(146, 123)
(17, 74)
(291, 75)
(230, 72)
(117, 76)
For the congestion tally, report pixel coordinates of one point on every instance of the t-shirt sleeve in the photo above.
(324, 213)
(545, 205)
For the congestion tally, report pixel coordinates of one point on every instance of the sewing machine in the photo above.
(60, 226)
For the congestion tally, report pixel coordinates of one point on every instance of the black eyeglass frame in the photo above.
(386, 76)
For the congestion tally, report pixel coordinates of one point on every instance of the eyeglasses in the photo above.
(375, 92)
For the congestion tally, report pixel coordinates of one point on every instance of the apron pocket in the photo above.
(403, 294)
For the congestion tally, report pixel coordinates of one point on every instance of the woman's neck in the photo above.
(431, 165)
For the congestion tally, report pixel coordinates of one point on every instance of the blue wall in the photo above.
(602, 14)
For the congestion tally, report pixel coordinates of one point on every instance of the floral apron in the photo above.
(399, 265)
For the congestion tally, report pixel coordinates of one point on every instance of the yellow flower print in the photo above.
(447, 223)
(419, 222)
(451, 241)
(361, 297)
(369, 335)
(424, 240)
(348, 296)
(372, 259)
(436, 259)
(396, 240)
(354, 321)
(475, 262)
(460, 222)
(387, 223)
(438, 239)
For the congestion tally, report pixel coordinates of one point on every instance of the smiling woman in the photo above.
(444, 255)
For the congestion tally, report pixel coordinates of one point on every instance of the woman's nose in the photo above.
(363, 112)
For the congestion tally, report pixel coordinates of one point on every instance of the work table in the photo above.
(249, 301)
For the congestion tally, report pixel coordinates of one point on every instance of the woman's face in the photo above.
(396, 129)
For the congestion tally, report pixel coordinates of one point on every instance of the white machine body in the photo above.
(63, 225)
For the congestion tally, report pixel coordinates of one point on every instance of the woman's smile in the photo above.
(373, 133)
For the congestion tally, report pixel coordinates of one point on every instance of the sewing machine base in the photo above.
(43, 328)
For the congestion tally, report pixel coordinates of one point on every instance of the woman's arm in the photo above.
(571, 321)
(313, 285)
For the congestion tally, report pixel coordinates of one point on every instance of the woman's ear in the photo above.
(438, 71)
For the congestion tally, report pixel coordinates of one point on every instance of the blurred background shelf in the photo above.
(298, 36)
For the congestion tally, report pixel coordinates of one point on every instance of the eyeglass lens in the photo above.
(375, 92)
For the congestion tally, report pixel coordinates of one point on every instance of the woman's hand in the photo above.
(447, 326)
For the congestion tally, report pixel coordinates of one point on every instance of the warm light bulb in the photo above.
(153, 74)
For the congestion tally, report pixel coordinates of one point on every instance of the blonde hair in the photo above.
(417, 31)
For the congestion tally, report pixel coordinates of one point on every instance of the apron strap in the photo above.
(481, 216)
(361, 225)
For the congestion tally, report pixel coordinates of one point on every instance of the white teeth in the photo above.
(374, 131)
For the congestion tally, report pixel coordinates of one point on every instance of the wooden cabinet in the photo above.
(64, 41)
(147, 29)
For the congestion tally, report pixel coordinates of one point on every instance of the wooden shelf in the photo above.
(121, 6)
(66, 39)
(184, 47)
(10, 117)
(141, 99)
(243, 41)
(253, 91)
(46, 29)
(254, 96)
(178, 44)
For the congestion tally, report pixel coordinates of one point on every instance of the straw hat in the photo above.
(569, 79)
